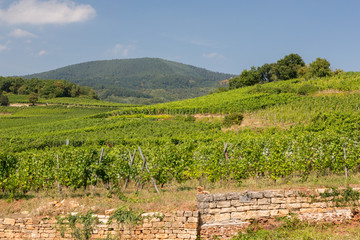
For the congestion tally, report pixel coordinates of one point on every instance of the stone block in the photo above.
(188, 213)
(227, 210)
(161, 236)
(319, 205)
(278, 200)
(283, 212)
(238, 215)
(232, 196)
(222, 217)
(180, 219)
(273, 193)
(212, 205)
(158, 224)
(223, 204)
(204, 204)
(193, 220)
(244, 198)
(178, 225)
(235, 203)
(219, 197)
(264, 201)
(183, 235)
(274, 212)
(243, 208)
(195, 213)
(214, 211)
(179, 213)
(204, 197)
(9, 221)
(191, 225)
(256, 195)
(257, 214)
(208, 218)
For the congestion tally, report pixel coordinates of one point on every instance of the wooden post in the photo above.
(139, 180)
(147, 169)
(96, 176)
(346, 170)
(58, 183)
(226, 153)
(132, 159)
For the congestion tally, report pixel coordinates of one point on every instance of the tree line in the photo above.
(42, 88)
(290, 67)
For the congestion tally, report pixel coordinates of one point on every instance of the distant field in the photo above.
(67, 101)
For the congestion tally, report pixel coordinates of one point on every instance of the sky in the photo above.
(220, 35)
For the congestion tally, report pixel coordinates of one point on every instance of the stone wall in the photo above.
(177, 225)
(222, 214)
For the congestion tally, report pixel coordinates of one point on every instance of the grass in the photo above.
(173, 196)
(303, 231)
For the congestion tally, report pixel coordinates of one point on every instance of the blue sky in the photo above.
(225, 36)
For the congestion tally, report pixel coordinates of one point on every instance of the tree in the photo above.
(320, 68)
(4, 100)
(246, 78)
(33, 98)
(287, 67)
(266, 72)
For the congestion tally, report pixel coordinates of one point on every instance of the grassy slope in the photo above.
(63, 123)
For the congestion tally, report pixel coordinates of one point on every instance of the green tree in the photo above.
(4, 100)
(246, 78)
(33, 98)
(287, 67)
(266, 72)
(320, 68)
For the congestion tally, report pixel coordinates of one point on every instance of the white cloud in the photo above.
(213, 55)
(122, 50)
(42, 53)
(37, 12)
(19, 33)
(5, 46)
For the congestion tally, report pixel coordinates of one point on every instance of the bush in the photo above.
(4, 100)
(306, 89)
(233, 119)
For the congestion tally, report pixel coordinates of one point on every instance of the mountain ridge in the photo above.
(139, 80)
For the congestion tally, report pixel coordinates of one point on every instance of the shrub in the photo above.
(4, 100)
(306, 89)
(233, 119)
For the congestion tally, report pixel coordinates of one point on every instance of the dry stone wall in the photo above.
(222, 215)
(177, 226)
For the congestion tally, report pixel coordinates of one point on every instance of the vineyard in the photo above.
(81, 146)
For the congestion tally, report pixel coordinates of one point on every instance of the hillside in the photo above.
(143, 80)
(295, 133)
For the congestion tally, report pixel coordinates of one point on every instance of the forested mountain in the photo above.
(142, 80)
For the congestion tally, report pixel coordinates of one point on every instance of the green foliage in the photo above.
(306, 89)
(320, 68)
(82, 226)
(287, 67)
(125, 216)
(246, 78)
(341, 197)
(233, 119)
(4, 100)
(266, 72)
(33, 98)
(177, 149)
(44, 88)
